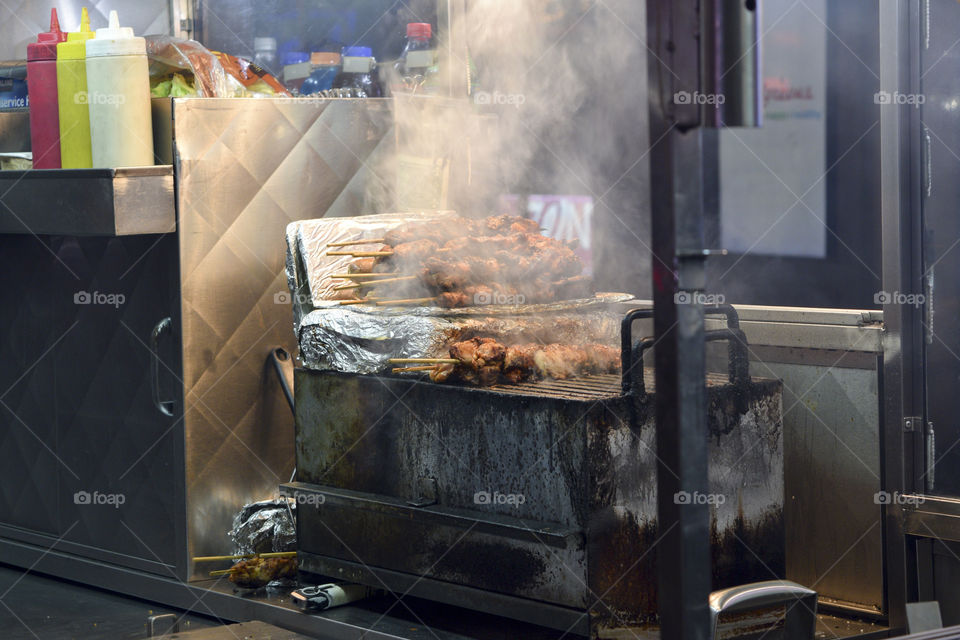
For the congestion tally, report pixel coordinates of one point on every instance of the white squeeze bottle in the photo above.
(118, 94)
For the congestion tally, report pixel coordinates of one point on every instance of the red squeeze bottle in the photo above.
(42, 90)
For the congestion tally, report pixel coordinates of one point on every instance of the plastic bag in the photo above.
(210, 74)
(249, 80)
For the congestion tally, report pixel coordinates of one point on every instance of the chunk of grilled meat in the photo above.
(465, 262)
(518, 363)
(485, 361)
(257, 572)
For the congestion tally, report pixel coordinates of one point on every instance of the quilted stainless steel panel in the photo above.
(22, 20)
(246, 169)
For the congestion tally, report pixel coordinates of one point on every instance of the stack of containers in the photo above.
(118, 90)
(42, 91)
(72, 97)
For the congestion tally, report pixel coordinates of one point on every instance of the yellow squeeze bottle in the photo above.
(72, 97)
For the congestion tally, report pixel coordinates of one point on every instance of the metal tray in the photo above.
(88, 202)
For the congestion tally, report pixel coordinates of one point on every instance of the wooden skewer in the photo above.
(271, 554)
(382, 303)
(413, 369)
(373, 283)
(361, 254)
(365, 301)
(216, 574)
(423, 360)
(385, 280)
(348, 243)
(363, 276)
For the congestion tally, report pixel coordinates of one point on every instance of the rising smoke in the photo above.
(559, 107)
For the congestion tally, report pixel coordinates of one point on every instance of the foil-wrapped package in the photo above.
(264, 527)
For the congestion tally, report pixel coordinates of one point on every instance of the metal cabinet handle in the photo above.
(165, 406)
(800, 620)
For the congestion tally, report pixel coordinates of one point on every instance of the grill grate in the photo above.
(595, 387)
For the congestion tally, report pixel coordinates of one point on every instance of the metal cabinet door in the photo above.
(29, 331)
(89, 460)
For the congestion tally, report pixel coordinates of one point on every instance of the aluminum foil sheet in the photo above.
(307, 249)
(263, 527)
(362, 339)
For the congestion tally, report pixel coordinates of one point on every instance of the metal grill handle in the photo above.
(626, 348)
(800, 620)
(632, 354)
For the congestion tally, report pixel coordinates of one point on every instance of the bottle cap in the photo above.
(295, 57)
(358, 52)
(75, 48)
(45, 48)
(325, 59)
(420, 30)
(115, 40)
(264, 44)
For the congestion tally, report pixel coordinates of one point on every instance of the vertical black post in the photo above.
(901, 456)
(683, 554)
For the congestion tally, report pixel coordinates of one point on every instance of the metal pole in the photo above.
(902, 371)
(683, 555)
(680, 68)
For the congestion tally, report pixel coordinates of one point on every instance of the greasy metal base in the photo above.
(215, 599)
(569, 621)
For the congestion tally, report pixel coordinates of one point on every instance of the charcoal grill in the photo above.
(534, 501)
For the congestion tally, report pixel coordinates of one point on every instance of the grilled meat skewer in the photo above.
(484, 361)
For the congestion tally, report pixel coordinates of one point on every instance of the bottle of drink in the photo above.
(118, 90)
(296, 69)
(265, 54)
(75, 150)
(42, 91)
(359, 72)
(326, 67)
(418, 56)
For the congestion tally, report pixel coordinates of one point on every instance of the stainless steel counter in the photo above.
(88, 202)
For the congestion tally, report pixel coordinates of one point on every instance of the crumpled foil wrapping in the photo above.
(264, 527)
(361, 340)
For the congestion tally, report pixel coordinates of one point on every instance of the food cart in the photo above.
(155, 317)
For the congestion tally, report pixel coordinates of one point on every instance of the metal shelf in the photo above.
(88, 202)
